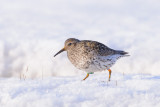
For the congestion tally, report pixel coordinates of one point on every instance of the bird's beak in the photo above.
(59, 51)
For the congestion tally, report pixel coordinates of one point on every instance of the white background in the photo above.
(32, 31)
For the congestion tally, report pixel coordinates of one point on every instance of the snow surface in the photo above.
(122, 91)
(32, 31)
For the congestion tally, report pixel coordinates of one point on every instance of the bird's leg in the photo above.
(86, 76)
(109, 74)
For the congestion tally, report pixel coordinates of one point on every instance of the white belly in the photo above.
(102, 63)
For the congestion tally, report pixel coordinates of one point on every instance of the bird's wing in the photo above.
(98, 48)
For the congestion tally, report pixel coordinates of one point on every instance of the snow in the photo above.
(32, 31)
(121, 91)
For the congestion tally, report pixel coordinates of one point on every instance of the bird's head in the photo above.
(69, 43)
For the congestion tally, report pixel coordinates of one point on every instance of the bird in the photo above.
(91, 56)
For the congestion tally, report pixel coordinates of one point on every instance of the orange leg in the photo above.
(109, 74)
(86, 76)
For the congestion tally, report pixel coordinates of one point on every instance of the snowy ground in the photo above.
(32, 31)
(122, 91)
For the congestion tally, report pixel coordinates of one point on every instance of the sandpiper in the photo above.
(91, 56)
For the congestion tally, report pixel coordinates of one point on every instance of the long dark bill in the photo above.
(59, 52)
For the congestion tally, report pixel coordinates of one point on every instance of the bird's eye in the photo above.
(69, 44)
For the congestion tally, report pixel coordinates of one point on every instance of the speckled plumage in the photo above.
(91, 56)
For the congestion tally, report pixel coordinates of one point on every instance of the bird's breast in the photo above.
(78, 59)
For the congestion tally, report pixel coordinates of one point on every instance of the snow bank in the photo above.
(122, 91)
(31, 32)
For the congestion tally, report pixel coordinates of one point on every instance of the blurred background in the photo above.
(32, 31)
